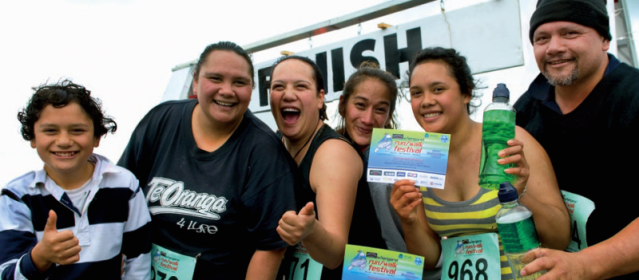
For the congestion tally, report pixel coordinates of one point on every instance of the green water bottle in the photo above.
(497, 129)
(517, 229)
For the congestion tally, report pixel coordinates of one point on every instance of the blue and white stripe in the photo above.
(114, 222)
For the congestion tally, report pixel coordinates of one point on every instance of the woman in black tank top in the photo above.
(330, 169)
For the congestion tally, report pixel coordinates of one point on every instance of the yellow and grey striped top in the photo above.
(473, 216)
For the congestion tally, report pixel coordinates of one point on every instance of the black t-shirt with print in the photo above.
(220, 205)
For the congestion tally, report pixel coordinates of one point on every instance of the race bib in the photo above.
(472, 257)
(366, 263)
(579, 209)
(303, 267)
(169, 265)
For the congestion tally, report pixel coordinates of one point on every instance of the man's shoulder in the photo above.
(537, 90)
(626, 76)
(524, 101)
(623, 84)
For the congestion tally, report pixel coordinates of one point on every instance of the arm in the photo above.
(536, 175)
(335, 184)
(264, 264)
(406, 199)
(616, 256)
(17, 237)
(136, 240)
(23, 255)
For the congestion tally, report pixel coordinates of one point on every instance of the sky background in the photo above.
(124, 50)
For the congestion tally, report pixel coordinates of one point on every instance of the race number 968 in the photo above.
(468, 270)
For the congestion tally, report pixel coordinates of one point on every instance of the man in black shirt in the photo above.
(584, 110)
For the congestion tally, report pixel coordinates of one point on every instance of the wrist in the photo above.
(39, 261)
(311, 230)
(522, 192)
(591, 268)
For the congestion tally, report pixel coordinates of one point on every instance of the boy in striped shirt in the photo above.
(78, 216)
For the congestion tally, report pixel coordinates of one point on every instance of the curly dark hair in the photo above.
(370, 70)
(59, 95)
(317, 76)
(224, 46)
(457, 68)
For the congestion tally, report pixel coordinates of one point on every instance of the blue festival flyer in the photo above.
(401, 154)
(371, 263)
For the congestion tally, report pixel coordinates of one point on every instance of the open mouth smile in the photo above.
(290, 115)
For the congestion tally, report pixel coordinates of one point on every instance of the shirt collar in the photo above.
(102, 166)
(541, 90)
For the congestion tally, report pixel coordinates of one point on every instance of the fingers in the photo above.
(293, 227)
(515, 142)
(51, 222)
(531, 256)
(291, 232)
(288, 238)
(64, 243)
(405, 198)
(308, 210)
(69, 256)
(519, 171)
(537, 260)
(64, 250)
(398, 184)
(516, 147)
(402, 187)
(408, 198)
(62, 236)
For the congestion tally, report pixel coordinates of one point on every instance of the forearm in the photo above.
(552, 223)
(265, 264)
(420, 242)
(616, 256)
(325, 247)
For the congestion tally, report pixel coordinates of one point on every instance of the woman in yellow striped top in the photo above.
(441, 89)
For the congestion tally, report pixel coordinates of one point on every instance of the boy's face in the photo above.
(64, 140)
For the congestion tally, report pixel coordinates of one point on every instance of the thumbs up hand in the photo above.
(55, 247)
(295, 227)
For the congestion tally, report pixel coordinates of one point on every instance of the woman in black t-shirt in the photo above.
(216, 178)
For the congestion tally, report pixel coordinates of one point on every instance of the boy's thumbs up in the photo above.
(308, 210)
(51, 222)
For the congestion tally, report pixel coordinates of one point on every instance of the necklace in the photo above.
(303, 146)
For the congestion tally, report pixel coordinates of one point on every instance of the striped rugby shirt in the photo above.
(473, 216)
(115, 221)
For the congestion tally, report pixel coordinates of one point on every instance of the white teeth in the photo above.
(290, 110)
(224, 103)
(431, 115)
(65, 154)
